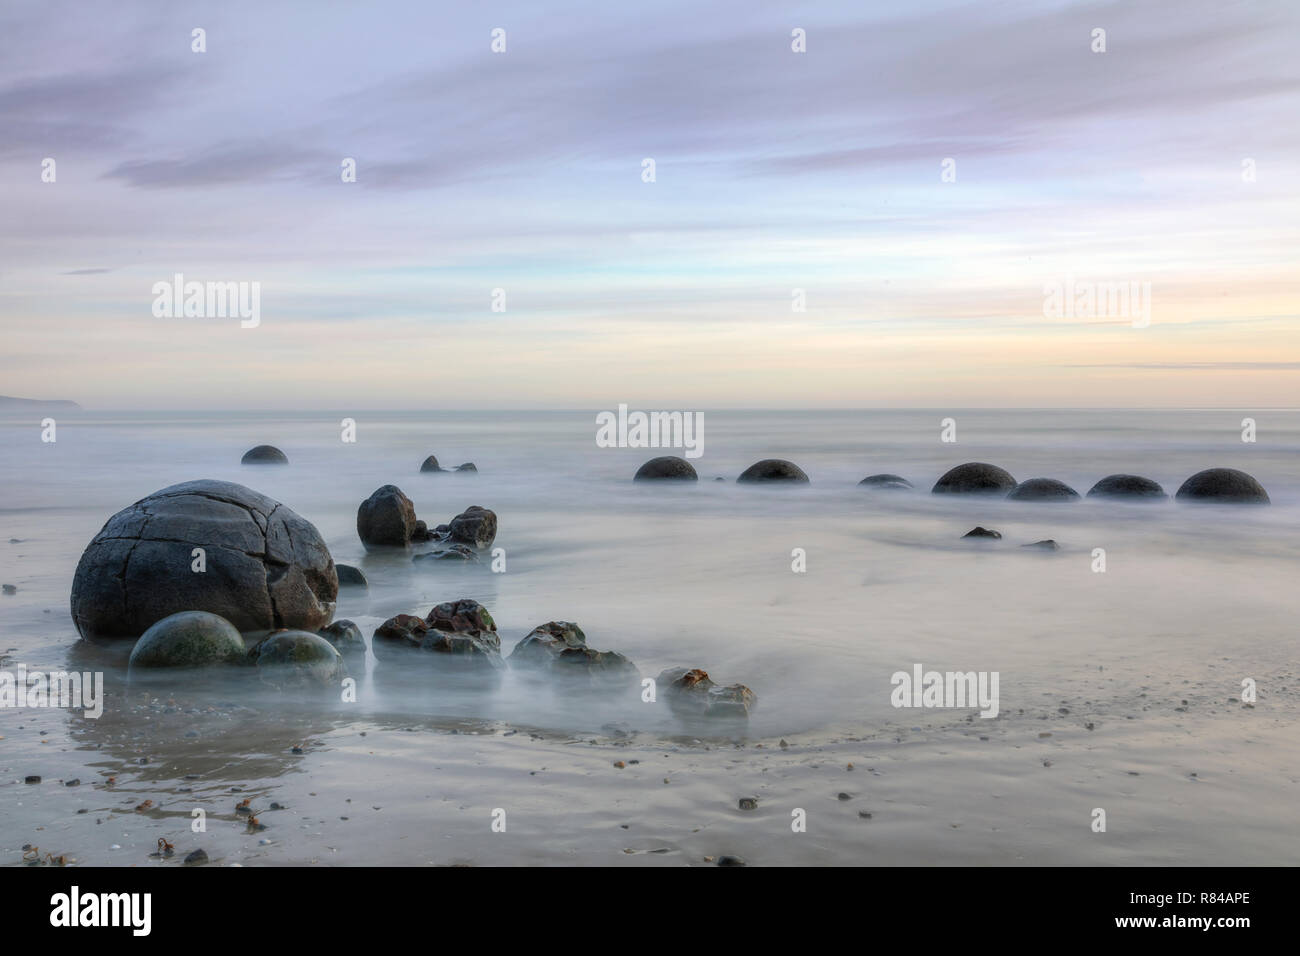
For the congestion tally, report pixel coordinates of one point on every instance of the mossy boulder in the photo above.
(188, 639)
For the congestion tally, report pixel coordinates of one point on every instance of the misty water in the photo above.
(701, 574)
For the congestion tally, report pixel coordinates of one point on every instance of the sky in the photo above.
(924, 173)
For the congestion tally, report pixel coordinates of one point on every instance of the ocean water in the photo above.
(1193, 598)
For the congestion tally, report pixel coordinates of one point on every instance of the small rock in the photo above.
(749, 803)
(979, 532)
(198, 856)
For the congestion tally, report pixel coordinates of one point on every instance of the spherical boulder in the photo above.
(296, 659)
(188, 639)
(1127, 486)
(386, 519)
(666, 467)
(773, 470)
(1223, 485)
(204, 546)
(430, 464)
(264, 455)
(886, 483)
(974, 478)
(1042, 489)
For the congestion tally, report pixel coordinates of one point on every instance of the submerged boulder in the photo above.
(886, 482)
(346, 638)
(466, 466)
(475, 526)
(386, 519)
(691, 693)
(773, 469)
(430, 464)
(974, 478)
(456, 553)
(1127, 486)
(298, 659)
(1042, 489)
(559, 648)
(350, 577)
(1223, 484)
(188, 639)
(982, 532)
(264, 455)
(458, 629)
(204, 546)
(666, 467)
(1047, 544)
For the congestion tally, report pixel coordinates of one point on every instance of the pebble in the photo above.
(731, 861)
(844, 796)
(746, 803)
(198, 856)
(74, 782)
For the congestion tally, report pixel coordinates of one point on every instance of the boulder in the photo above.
(1042, 489)
(1047, 544)
(974, 478)
(981, 532)
(666, 467)
(298, 659)
(773, 469)
(559, 649)
(475, 526)
(691, 693)
(350, 577)
(467, 466)
(886, 482)
(430, 464)
(1225, 485)
(264, 455)
(263, 566)
(1127, 486)
(386, 519)
(456, 553)
(346, 638)
(189, 639)
(458, 629)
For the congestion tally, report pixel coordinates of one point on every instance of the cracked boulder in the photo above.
(261, 566)
(691, 693)
(559, 648)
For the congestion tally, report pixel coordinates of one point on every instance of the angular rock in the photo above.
(690, 692)
(188, 639)
(430, 464)
(774, 470)
(981, 532)
(559, 648)
(666, 468)
(264, 566)
(264, 455)
(386, 519)
(1127, 486)
(467, 466)
(1226, 485)
(458, 629)
(298, 659)
(475, 526)
(886, 482)
(402, 631)
(1042, 489)
(974, 478)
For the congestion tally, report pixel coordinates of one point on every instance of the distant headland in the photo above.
(8, 402)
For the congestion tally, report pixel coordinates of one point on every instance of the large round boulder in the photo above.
(1127, 486)
(188, 639)
(298, 659)
(204, 546)
(264, 455)
(1042, 489)
(668, 467)
(1225, 485)
(773, 469)
(386, 519)
(974, 478)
